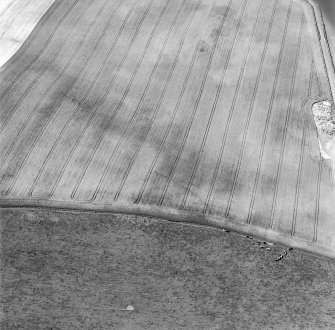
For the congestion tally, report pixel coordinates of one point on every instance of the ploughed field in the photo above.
(195, 110)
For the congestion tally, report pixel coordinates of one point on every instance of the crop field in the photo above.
(194, 110)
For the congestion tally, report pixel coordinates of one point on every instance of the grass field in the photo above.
(187, 109)
(80, 270)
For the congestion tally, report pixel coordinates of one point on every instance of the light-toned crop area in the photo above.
(17, 20)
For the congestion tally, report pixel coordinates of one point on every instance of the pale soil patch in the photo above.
(324, 117)
(17, 19)
(325, 122)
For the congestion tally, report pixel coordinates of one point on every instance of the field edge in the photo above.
(173, 215)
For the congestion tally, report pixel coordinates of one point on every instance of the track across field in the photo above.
(197, 110)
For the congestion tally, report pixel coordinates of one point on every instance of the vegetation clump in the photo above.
(324, 117)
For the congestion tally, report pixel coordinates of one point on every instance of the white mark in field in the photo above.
(324, 118)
